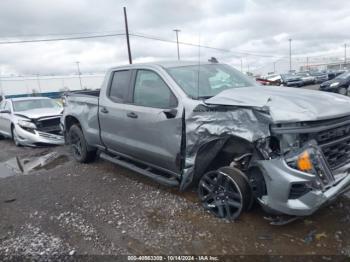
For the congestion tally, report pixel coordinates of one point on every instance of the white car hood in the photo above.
(39, 113)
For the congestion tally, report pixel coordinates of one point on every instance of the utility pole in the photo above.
(307, 63)
(127, 35)
(344, 55)
(274, 67)
(38, 81)
(79, 74)
(1, 89)
(177, 41)
(290, 54)
(241, 65)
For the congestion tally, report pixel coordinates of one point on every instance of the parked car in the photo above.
(306, 78)
(209, 126)
(291, 80)
(340, 84)
(272, 80)
(31, 121)
(334, 73)
(320, 77)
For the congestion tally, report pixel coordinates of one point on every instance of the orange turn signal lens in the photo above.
(304, 162)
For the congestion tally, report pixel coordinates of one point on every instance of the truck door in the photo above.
(148, 125)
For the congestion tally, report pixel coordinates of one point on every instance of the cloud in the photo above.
(258, 27)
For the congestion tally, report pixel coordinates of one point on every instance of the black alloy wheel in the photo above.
(225, 195)
(82, 152)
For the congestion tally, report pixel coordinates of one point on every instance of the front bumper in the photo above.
(27, 138)
(329, 89)
(279, 178)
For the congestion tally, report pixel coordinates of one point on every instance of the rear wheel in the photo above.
(343, 91)
(80, 149)
(225, 193)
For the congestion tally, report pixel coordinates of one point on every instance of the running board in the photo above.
(146, 172)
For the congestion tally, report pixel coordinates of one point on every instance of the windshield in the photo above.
(204, 81)
(25, 105)
(344, 75)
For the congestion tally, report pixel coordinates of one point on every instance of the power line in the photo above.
(62, 34)
(237, 53)
(197, 45)
(58, 39)
(131, 34)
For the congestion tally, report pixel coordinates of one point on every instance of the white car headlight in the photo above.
(334, 84)
(26, 124)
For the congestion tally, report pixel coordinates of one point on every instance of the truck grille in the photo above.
(335, 144)
(49, 125)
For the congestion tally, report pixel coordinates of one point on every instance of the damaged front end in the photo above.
(37, 132)
(292, 169)
(312, 169)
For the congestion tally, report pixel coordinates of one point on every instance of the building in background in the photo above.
(51, 86)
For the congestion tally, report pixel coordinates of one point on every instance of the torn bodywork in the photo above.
(271, 155)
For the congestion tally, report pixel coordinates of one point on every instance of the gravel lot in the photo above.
(52, 207)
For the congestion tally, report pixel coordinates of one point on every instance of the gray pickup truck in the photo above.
(208, 126)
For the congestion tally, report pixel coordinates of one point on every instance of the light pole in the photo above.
(290, 54)
(177, 41)
(38, 80)
(344, 55)
(79, 73)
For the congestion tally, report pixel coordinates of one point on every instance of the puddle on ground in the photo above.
(19, 166)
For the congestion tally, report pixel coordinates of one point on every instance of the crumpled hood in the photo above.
(286, 104)
(39, 113)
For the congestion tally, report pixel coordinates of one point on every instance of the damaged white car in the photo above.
(31, 121)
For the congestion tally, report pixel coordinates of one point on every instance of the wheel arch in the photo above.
(69, 121)
(220, 152)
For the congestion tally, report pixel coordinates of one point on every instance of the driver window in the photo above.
(151, 91)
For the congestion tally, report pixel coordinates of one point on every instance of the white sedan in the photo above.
(31, 121)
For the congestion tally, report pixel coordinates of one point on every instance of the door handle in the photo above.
(170, 113)
(104, 110)
(131, 115)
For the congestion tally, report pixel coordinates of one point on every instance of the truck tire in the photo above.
(225, 193)
(80, 149)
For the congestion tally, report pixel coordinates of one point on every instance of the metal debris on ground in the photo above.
(310, 237)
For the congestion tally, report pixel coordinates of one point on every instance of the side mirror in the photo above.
(5, 111)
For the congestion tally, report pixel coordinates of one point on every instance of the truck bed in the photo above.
(83, 105)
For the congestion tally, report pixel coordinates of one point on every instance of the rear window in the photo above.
(120, 85)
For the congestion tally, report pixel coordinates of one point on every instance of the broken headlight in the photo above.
(27, 125)
(310, 159)
(302, 160)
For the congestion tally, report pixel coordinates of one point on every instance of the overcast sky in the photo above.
(256, 31)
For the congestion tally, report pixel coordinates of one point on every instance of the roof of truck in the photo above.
(168, 64)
